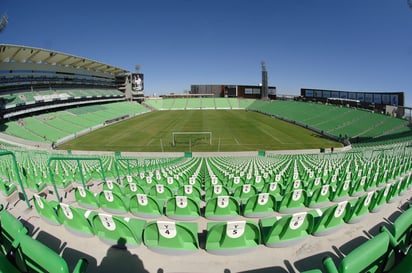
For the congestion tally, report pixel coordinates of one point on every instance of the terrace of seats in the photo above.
(197, 103)
(276, 175)
(335, 120)
(28, 97)
(52, 126)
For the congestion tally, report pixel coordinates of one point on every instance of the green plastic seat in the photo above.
(76, 220)
(329, 219)
(171, 237)
(190, 191)
(234, 182)
(319, 197)
(85, 198)
(371, 257)
(379, 198)
(7, 188)
(7, 266)
(118, 231)
(161, 193)
(112, 186)
(227, 238)
(260, 205)
(46, 209)
(287, 230)
(294, 185)
(213, 181)
(133, 189)
(400, 234)
(33, 256)
(258, 182)
(359, 187)
(112, 202)
(244, 192)
(359, 209)
(293, 201)
(146, 183)
(222, 208)
(274, 188)
(341, 192)
(315, 183)
(145, 206)
(393, 192)
(182, 208)
(215, 191)
(11, 229)
(172, 183)
(402, 185)
(404, 265)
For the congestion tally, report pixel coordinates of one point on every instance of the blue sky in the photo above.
(347, 45)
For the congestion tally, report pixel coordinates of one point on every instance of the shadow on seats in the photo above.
(119, 259)
(73, 255)
(349, 246)
(50, 241)
(32, 230)
(312, 261)
(387, 222)
(273, 269)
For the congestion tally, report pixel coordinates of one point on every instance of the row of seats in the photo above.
(179, 236)
(389, 251)
(19, 252)
(186, 203)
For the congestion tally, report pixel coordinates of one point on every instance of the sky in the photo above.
(349, 45)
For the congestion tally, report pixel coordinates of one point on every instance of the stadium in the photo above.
(97, 177)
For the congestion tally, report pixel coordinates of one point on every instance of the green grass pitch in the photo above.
(232, 130)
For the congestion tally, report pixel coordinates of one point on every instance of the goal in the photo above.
(191, 137)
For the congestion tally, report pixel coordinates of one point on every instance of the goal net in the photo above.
(191, 138)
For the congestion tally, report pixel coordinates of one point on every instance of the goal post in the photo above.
(191, 135)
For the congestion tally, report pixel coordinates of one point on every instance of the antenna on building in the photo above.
(3, 22)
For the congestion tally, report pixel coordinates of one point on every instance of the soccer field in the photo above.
(231, 130)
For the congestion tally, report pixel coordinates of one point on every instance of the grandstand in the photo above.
(255, 211)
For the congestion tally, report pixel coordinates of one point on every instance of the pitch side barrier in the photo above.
(98, 126)
(316, 130)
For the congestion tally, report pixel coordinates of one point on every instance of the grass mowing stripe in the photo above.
(237, 130)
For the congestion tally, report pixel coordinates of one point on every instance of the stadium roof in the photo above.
(24, 54)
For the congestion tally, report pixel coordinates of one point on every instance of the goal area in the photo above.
(191, 138)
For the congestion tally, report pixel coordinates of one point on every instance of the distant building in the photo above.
(232, 91)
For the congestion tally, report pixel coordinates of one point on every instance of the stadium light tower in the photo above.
(265, 87)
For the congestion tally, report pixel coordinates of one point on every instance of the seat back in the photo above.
(182, 208)
(293, 201)
(75, 220)
(145, 206)
(375, 260)
(287, 230)
(330, 219)
(85, 198)
(118, 231)
(112, 202)
(33, 256)
(232, 237)
(11, 229)
(222, 208)
(47, 210)
(171, 237)
(260, 205)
